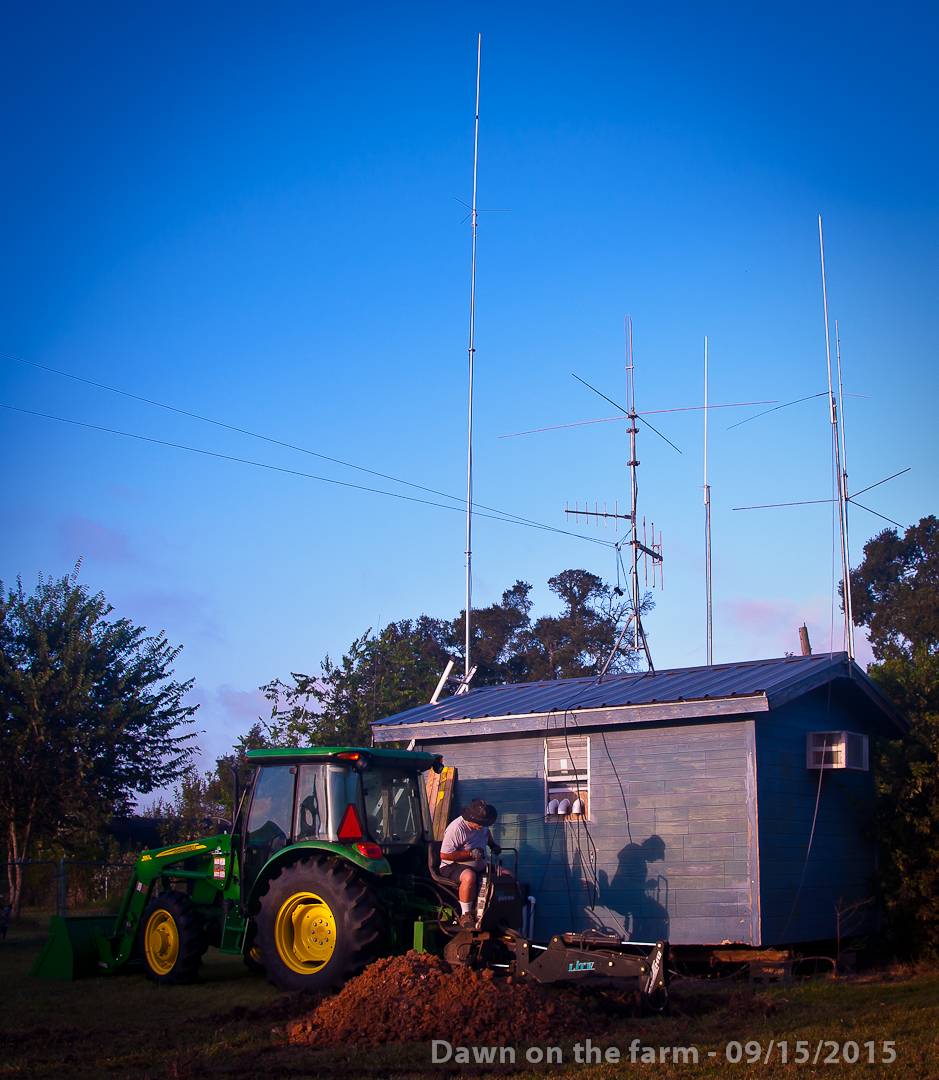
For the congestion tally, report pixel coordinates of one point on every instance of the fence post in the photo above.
(64, 894)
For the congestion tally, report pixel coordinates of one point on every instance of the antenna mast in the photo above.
(639, 637)
(842, 475)
(848, 607)
(707, 517)
(469, 436)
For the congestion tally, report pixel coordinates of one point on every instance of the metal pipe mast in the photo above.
(707, 517)
(839, 470)
(633, 462)
(639, 634)
(469, 436)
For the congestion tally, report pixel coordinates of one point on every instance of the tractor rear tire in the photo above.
(319, 925)
(171, 939)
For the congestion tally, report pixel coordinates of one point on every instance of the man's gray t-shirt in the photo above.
(463, 835)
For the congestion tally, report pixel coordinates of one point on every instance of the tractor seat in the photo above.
(433, 862)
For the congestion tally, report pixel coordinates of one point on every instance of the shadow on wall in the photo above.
(635, 894)
(633, 902)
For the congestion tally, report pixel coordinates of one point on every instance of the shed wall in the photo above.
(843, 858)
(669, 849)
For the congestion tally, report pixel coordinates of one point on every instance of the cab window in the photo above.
(269, 820)
(312, 804)
(392, 807)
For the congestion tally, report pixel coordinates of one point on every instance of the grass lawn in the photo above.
(228, 1025)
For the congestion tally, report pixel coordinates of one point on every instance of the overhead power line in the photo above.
(228, 427)
(495, 515)
(495, 512)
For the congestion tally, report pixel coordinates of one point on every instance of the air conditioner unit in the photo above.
(836, 750)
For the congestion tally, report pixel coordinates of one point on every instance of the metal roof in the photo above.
(767, 683)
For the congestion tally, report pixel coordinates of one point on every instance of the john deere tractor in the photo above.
(329, 863)
(324, 868)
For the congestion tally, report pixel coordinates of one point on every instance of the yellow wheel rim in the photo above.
(161, 942)
(305, 933)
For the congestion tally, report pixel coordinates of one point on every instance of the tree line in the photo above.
(93, 717)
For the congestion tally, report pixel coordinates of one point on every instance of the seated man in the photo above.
(463, 856)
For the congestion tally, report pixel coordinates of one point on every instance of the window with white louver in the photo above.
(836, 750)
(567, 776)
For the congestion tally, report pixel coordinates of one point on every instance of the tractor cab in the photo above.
(365, 805)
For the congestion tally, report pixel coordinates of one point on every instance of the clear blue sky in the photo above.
(247, 211)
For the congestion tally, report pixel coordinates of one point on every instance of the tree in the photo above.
(202, 801)
(895, 593)
(578, 641)
(377, 677)
(499, 638)
(398, 669)
(90, 714)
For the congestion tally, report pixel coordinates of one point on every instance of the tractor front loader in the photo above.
(330, 863)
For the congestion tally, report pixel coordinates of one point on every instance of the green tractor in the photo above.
(330, 862)
(325, 868)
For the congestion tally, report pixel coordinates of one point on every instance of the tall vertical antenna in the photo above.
(633, 430)
(848, 608)
(639, 637)
(707, 516)
(469, 436)
(836, 434)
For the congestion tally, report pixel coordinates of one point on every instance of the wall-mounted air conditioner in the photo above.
(836, 750)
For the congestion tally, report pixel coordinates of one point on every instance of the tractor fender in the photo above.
(287, 856)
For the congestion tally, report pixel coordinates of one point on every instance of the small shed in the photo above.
(731, 804)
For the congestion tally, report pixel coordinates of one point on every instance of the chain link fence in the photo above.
(68, 886)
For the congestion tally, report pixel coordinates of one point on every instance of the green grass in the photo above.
(228, 1024)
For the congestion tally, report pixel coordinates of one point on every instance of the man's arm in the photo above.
(457, 856)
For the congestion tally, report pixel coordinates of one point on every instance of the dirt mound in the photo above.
(419, 997)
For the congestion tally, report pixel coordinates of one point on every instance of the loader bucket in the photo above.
(70, 950)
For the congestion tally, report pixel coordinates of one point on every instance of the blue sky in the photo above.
(247, 212)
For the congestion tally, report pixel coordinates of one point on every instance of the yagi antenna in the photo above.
(639, 547)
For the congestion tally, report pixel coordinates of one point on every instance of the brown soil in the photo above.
(419, 997)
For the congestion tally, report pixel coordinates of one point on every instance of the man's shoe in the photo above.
(467, 922)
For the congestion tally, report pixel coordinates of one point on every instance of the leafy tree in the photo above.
(202, 802)
(89, 714)
(398, 669)
(578, 641)
(378, 676)
(895, 593)
(499, 638)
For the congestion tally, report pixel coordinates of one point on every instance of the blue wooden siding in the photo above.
(669, 849)
(843, 854)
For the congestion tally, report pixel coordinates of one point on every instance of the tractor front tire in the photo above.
(171, 939)
(252, 954)
(319, 924)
